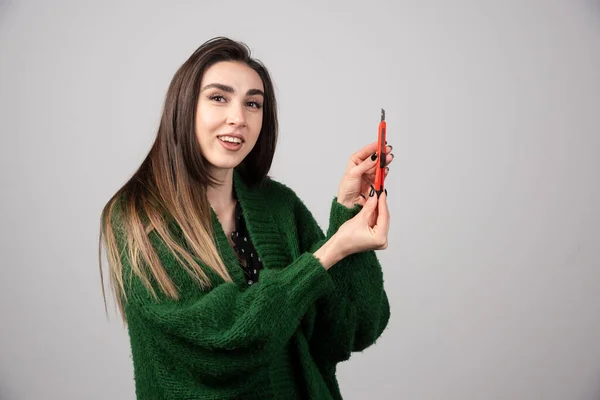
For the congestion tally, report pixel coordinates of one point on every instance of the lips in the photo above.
(230, 146)
(235, 135)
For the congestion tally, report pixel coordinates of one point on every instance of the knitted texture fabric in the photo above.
(280, 338)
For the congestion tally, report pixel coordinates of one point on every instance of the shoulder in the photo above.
(278, 187)
(286, 202)
(277, 192)
(268, 188)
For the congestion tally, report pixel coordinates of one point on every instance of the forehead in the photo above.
(238, 75)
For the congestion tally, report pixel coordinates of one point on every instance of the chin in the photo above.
(227, 166)
(220, 162)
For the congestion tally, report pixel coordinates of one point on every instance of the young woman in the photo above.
(227, 285)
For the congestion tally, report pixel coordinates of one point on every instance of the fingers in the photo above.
(368, 165)
(389, 158)
(370, 174)
(364, 166)
(370, 201)
(368, 151)
(362, 201)
(383, 217)
(364, 153)
(369, 210)
(372, 198)
(377, 216)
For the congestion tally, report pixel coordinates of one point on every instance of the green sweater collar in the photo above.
(262, 227)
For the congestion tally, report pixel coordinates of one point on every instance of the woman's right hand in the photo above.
(367, 230)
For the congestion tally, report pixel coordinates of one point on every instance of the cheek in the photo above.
(255, 121)
(205, 123)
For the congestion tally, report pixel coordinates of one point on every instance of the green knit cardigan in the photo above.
(280, 338)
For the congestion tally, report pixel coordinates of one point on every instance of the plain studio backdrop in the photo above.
(493, 109)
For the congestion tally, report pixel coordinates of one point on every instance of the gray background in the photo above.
(494, 113)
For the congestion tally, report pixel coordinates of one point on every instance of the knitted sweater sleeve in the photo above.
(353, 315)
(220, 335)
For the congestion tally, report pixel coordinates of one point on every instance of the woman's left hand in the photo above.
(360, 175)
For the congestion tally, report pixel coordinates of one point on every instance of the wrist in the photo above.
(330, 253)
(345, 202)
(337, 242)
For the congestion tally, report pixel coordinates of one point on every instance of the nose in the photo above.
(236, 115)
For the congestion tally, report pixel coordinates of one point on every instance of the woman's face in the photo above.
(229, 113)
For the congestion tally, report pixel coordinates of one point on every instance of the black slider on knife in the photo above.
(382, 149)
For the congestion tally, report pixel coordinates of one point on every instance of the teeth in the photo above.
(230, 139)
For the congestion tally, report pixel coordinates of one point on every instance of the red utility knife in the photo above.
(380, 171)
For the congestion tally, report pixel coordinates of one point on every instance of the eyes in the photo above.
(221, 99)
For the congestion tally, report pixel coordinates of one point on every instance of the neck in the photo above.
(220, 197)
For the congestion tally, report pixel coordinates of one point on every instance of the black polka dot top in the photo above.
(245, 248)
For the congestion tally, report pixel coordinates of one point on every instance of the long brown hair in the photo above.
(171, 183)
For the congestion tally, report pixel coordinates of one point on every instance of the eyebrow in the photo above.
(229, 89)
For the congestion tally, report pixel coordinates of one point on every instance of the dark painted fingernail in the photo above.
(391, 147)
(385, 191)
(372, 191)
(374, 157)
(387, 169)
(363, 196)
